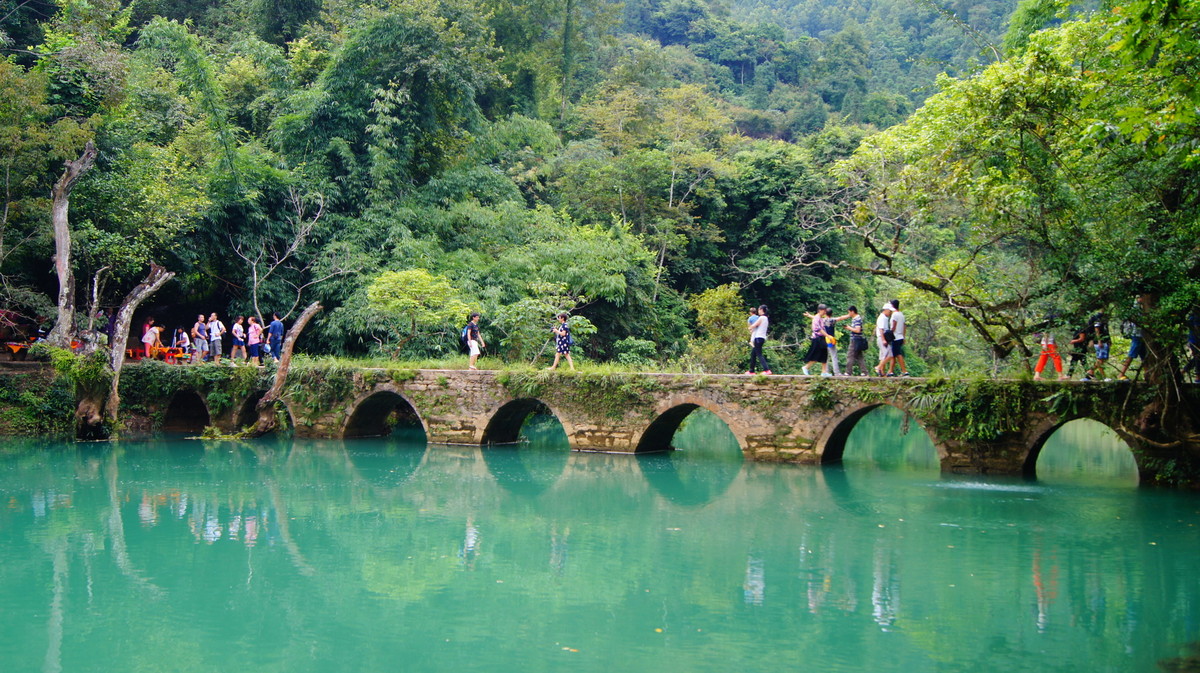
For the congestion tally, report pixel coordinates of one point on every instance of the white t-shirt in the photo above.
(215, 328)
(760, 328)
(882, 324)
(150, 336)
(898, 324)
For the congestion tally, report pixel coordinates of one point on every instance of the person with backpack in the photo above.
(216, 329)
(562, 341)
(1079, 343)
(1137, 347)
(472, 339)
(1101, 342)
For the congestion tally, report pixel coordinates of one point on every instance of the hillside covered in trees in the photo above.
(655, 166)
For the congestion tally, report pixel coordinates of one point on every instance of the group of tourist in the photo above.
(1093, 336)
(890, 330)
(204, 341)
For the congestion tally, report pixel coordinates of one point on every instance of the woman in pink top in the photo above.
(254, 339)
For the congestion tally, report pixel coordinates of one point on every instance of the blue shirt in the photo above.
(275, 329)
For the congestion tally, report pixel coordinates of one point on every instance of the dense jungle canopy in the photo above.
(655, 165)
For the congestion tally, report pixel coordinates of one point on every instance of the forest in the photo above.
(655, 167)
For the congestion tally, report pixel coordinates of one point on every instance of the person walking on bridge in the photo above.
(1098, 333)
(1049, 351)
(562, 342)
(858, 343)
(758, 337)
(818, 350)
(1078, 342)
(474, 340)
(899, 328)
(883, 339)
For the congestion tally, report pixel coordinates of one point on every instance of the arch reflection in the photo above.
(385, 464)
(1083, 450)
(535, 460)
(706, 460)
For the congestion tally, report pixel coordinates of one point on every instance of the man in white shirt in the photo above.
(215, 329)
(898, 329)
(883, 325)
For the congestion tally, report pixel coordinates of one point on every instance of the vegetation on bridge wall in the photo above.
(315, 384)
(596, 395)
(147, 388)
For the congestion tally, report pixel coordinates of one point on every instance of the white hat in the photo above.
(887, 306)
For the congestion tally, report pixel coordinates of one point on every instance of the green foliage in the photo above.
(86, 374)
(314, 384)
(150, 384)
(415, 298)
(636, 352)
(33, 406)
(591, 394)
(979, 410)
(721, 315)
(822, 395)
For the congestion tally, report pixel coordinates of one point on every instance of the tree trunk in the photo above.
(60, 205)
(266, 406)
(157, 277)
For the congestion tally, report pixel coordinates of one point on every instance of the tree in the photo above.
(63, 330)
(415, 299)
(1014, 192)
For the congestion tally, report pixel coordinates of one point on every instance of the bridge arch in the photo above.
(669, 415)
(371, 411)
(1041, 433)
(186, 412)
(502, 425)
(831, 444)
(247, 414)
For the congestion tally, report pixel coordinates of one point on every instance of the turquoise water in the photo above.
(385, 555)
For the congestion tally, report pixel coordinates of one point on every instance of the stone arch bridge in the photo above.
(995, 427)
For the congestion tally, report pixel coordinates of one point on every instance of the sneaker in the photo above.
(805, 370)
(749, 373)
(904, 374)
(826, 374)
(767, 372)
(1122, 377)
(1086, 378)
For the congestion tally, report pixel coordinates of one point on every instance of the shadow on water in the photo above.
(888, 439)
(706, 460)
(1088, 452)
(536, 461)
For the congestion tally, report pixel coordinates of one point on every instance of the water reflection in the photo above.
(536, 461)
(705, 461)
(296, 556)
